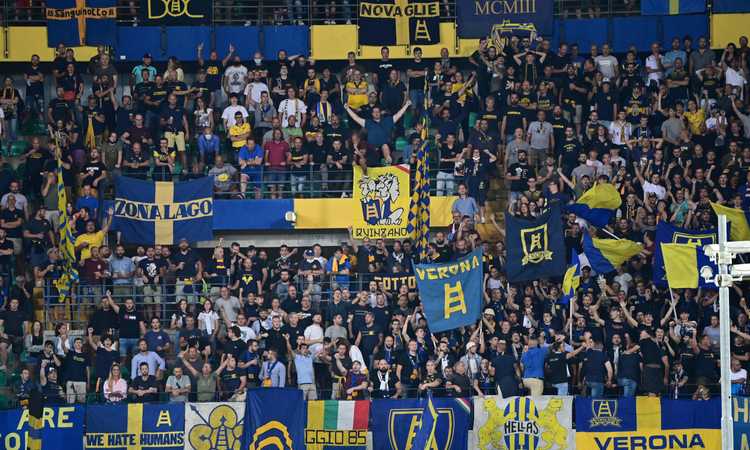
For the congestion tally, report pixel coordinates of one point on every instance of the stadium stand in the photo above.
(510, 132)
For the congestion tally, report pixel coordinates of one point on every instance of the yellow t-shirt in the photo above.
(359, 98)
(94, 240)
(696, 121)
(238, 130)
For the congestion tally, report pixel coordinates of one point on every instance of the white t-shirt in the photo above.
(734, 78)
(620, 132)
(230, 111)
(314, 332)
(660, 191)
(254, 89)
(606, 65)
(236, 78)
(652, 62)
(289, 108)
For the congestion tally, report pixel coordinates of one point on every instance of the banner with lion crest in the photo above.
(382, 194)
(528, 423)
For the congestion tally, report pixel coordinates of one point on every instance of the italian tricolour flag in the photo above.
(338, 415)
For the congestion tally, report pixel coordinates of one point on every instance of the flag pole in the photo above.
(674, 306)
(608, 232)
(724, 280)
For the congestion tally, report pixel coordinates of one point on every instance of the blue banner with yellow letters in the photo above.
(477, 18)
(62, 428)
(741, 415)
(136, 426)
(275, 418)
(163, 212)
(395, 423)
(536, 248)
(647, 423)
(451, 293)
(667, 233)
(81, 22)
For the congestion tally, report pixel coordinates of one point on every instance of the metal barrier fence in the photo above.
(306, 182)
(305, 12)
(161, 299)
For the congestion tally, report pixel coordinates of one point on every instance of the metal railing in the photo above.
(308, 182)
(162, 298)
(304, 12)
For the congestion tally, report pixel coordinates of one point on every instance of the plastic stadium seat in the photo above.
(401, 144)
(472, 119)
(18, 148)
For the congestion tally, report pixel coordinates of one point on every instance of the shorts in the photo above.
(254, 176)
(176, 140)
(275, 176)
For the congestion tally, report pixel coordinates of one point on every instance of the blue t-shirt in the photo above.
(91, 203)
(246, 153)
(533, 362)
(379, 133)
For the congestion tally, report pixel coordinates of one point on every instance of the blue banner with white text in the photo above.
(135, 426)
(395, 423)
(451, 293)
(62, 428)
(477, 18)
(163, 212)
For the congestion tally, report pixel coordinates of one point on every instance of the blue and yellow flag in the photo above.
(606, 255)
(419, 207)
(451, 292)
(425, 437)
(536, 248)
(396, 423)
(739, 220)
(135, 426)
(683, 264)
(274, 418)
(667, 233)
(598, 204)
(647, 422)
(36, 424)
(572, 279)
(164, 212)
(672, 7)
(69, 275)
(81, 22)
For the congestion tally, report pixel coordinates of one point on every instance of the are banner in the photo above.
(382, 194)
(524, 422)
(62, 428)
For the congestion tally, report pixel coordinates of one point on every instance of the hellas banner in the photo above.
(637, 423)
(530, 423)
(382, 193)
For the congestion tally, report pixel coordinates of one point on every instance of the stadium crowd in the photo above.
(670, 130)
